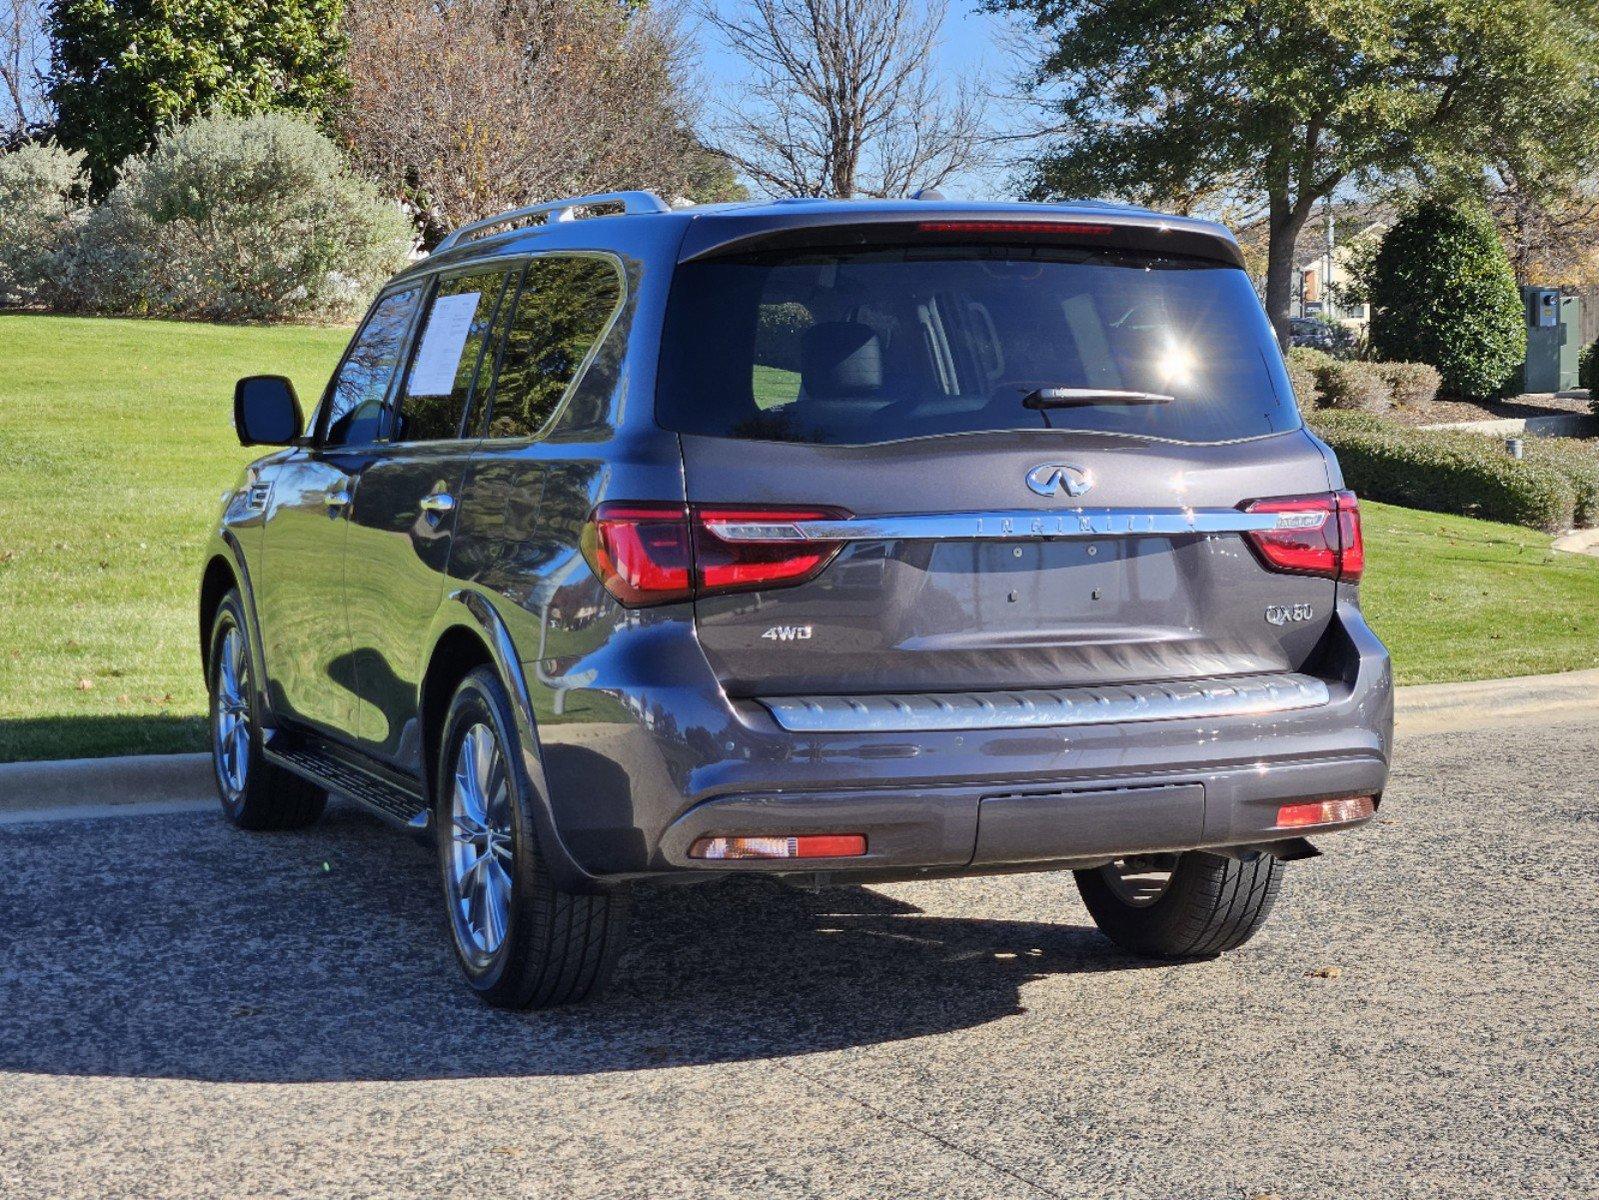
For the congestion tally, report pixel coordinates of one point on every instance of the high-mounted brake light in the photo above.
(1055, 228)
(646, 553)
(1314, 535)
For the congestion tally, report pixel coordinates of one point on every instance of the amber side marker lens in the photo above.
(810, 845)
(1326, 812)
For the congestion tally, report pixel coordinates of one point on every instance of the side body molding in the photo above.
(569, 876)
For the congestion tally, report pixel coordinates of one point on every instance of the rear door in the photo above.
(1044, 451)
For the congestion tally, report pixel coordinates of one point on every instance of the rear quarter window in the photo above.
(866, 346)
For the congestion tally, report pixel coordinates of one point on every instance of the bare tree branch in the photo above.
(470, 107)
(844, 99)
(23, 55)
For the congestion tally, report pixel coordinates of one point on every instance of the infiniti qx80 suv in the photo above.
(842, 542)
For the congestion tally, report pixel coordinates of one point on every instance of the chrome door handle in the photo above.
(337, 499)
(438, 502)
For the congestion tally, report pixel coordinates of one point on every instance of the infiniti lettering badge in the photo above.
(1050, 479)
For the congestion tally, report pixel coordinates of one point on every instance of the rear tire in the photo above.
(255, 794)
(1209, 903)
(521, 941)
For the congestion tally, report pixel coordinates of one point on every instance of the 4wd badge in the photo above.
(788, 633)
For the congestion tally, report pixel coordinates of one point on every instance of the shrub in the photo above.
(1353, 386)
(1443, 293)
(1410, 383)
(238, 218)
(41, 186)
(1450, 472)
(1303, 380)
(1579, 463)
(1587, 360)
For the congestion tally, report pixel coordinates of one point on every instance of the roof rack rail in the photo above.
(558, 210)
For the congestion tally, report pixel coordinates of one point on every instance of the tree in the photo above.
(22, 81)
(1281, 103)
(844, 99)
(124, 70)
(1442, 292)
(472, 107)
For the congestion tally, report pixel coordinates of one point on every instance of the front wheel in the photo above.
(522, 942)
(255, 794)
(1192, 905)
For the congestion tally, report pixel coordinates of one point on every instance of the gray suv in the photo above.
(841, 542)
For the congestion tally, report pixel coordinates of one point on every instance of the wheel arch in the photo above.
(216, 582)
(469, 632)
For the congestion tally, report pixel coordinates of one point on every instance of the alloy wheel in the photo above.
(1141, 880)
(481, 850)
(231, 715)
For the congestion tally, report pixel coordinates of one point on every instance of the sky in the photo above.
(970, 45)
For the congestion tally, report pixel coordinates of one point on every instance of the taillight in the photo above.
(657, 553)
(640, 552)
(736, 549)
(1314, 535)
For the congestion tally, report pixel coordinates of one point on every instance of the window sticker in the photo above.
(438, 358)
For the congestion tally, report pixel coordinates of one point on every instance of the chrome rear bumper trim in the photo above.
(1016, 525)
(1200, 699)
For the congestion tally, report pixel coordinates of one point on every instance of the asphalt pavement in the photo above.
(188, 1010)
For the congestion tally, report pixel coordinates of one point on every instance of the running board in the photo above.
(336, 773)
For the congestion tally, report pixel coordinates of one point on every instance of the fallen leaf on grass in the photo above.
(86, 685)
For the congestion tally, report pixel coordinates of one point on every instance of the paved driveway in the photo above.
(190, 1011)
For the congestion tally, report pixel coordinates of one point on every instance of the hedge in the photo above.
(1458, 472)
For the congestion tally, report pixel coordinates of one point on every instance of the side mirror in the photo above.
(266, 412)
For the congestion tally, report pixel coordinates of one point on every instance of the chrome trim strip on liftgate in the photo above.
(1200, 699)
(1017, 525)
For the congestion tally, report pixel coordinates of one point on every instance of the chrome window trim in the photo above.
(1192, 700)
(1014, 525)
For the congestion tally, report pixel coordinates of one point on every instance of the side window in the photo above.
(439, 385)
(560, 313)
(355, 398)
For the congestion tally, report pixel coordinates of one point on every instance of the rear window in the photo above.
(861, 346)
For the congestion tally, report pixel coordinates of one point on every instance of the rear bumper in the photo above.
(686, 763)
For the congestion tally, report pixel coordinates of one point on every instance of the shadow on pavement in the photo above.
(177, 947)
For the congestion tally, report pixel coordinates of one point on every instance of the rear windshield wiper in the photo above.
(1070, 397)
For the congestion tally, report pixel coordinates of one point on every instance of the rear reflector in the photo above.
(809, 845)
(1315, 535)
(1051, 228)
(657, 553)
(1326, 812)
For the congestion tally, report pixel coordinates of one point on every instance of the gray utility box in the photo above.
(1554, 324)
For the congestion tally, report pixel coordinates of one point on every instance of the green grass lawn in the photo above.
(116, 441)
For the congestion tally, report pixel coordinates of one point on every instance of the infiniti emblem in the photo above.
(1049, 479)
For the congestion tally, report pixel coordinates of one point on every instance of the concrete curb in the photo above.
(1443, 707)
(183, 783)
(136, 781)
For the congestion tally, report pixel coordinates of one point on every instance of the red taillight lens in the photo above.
(1352, 545)
(805, 845)
(1326, 812)
(736, 549)
(640, 552)
(1316, 535)
(657, 553)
